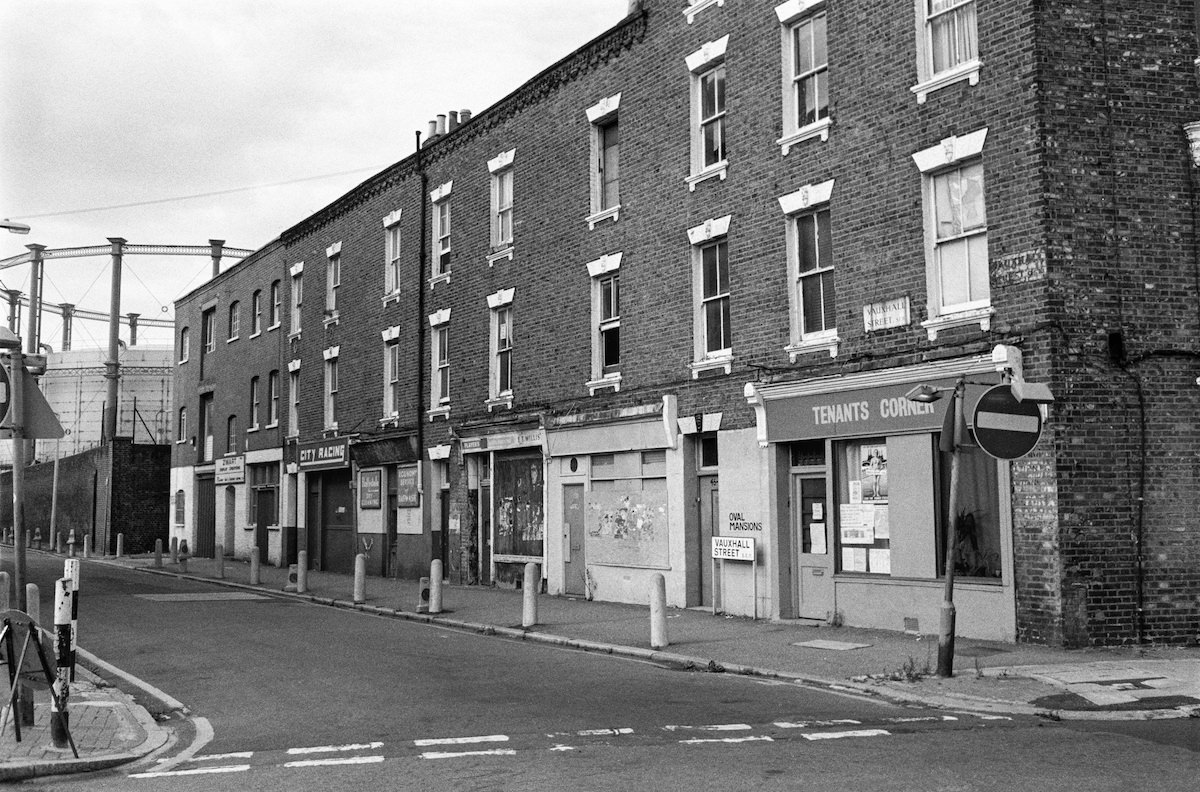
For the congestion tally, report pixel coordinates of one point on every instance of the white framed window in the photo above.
(391, 255)
(333, 280)
(712, 332)
(501, 349)
(709, 156)
(232, 436)
(293, 398)
(605, 160)
(440, 265)
(208, 329)
(185, 344)
(256, 313)
(391, 375)
(956, 246)
(276, 306)
(235, 321)
(297, 296)
(947, 45)
(255, 401)
(805, 72)
(501, 168)
(273, 399)
(331, 388)
(605, 274)
(810, 270)
(181, 426)
(439, 375)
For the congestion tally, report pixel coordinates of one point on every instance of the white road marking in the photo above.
(810, 724)
(561, 747)
(602, 732)
(699, 740)
(224, 756)
(713, 727)
(197, 771)
(335, 748)
(922, 719)
(455, 754)
(852, 733)
(487, 738)
(345, 760)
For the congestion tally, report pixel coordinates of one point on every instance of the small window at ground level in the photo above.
(807, 453)
(708, 451)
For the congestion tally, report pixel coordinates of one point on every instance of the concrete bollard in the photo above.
(423, 595)
(4, 593)
(158, 553)
(184, 554)
(174, 549)
(302, 572)
(219, 554)
(255, 574)
(71, 543)
(360, 579)
(658, 612)
(532, 582)
(435, 586)
(120, 545)
(87, 546)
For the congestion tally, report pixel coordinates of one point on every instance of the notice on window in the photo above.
(855, 491)
(818, 545)
(857, 523)
(854, 559)
(818, 508)
(880, 561)
(873, 473)
(882, 529)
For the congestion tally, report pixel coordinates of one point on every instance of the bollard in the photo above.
(290, 586)
(435, 586)
(71, 543)
(423, 595)
(219, 552)
(658, 612)
(183, 556)
(533, 579)
(120, 545)
(59, 717)
(360, 579)
(302, 572)
(87, 546)
(71, 570)
(33, 606)
(254, 571)
(4, 595)
(174, 549)
(158, 553)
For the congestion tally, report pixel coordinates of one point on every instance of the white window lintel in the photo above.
(712, 53)
(331, 352)
(709, 230)
(442, 191)
(806, 197)
(794, 9)
(391, 334)
(294, 365)
(334, 250)
(297, 268)
(603, 265)
(950, 150)
(604, 108)
(500, 298)
(501, 161)
(696, 6)
(392, 218)
(439, 317)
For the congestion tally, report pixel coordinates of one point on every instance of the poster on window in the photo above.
(627, 528)
(856, 523)
(873, 472)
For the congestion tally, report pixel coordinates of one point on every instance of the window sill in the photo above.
(594, 220)
(820, 129)
(231, 340)
(272, 425)
(252, 429)
(330, 428)
(503, 401)
(607, 381)
(294, 336)
(331, 319)
(391, 297)
(392, 420)
(436, 279)
(499, 254)
(964, 71)
(255, 335)
(699, 5)
(980, 316)
(810, 345)
(724, 361)
(713, 171)
(442, 412)
(273, 327)
(180, 363)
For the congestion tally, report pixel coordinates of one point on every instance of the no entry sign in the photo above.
(1004, 427)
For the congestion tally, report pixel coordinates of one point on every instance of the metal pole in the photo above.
(16, 410)
(112, 366)
(33, 326)
(59, 717)
(68, 313)
(54, 493)
(945, 664)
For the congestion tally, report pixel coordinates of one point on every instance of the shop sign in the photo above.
(322, 454)
(889, 313)
(370, 489)
(499, 442)
(733, 548)
(408, 494)
(230, 470)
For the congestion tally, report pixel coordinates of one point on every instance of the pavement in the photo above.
(1119, 683)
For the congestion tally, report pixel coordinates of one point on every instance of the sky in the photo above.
(172, 122)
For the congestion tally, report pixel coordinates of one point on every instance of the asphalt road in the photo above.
(301, 696)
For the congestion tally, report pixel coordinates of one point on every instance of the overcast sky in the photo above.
(266, 109)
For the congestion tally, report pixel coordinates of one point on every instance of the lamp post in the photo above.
(13, 227)
(951, 441)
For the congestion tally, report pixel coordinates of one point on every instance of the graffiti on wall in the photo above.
(627, 528)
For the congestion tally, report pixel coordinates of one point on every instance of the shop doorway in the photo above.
(264, 516)
(574, 565)
(230, 519)
(710, 509)
(810, 520)
(206, 517)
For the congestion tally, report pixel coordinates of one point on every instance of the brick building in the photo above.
(679, 285)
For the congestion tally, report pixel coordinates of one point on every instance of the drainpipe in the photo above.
(422, 255)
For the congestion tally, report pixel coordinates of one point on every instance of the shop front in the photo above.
(858, 489)
(390, 507)
(329, 524)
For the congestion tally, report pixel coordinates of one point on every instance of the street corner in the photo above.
(1125, 688)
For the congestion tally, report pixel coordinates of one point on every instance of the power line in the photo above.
(199, 195)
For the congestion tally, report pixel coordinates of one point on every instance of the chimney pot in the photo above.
(441, 123)
(453, 114)
(464, 116)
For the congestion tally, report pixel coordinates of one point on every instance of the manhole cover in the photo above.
(837, 646)
(216, 596)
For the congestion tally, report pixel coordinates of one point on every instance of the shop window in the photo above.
(863, 533)
(520, 523)
(977, 551)
(263, 480)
